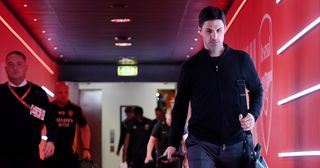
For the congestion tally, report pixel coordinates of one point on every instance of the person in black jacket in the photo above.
(214, 80)
(123, 127)
(25, 109)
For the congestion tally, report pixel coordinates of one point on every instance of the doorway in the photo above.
(91, 104)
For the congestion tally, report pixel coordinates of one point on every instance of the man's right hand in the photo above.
(48, 149)
(124, 157)
(169, 151)
(147, 159)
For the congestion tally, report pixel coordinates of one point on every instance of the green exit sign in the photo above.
(127, 70)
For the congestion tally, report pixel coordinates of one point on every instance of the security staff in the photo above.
(25, 108)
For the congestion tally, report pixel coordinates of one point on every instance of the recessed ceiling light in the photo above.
(55, 48)
(191, 48)
(25, 5)
(49, 39)
(195, 39)
(127, 61)
(122, 44)
(122, 37)
(120, 20)
(35, 20)
(119, 5)
(188, 56)
(61, 55)
(43, 31)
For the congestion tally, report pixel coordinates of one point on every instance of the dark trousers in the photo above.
(61, 161)
(202, 154)
(28, 161)
(136, 163)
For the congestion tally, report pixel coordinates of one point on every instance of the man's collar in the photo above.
(21, 84)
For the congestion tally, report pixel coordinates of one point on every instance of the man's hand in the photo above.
(124, 158)
(86, 154)
(147, 159)
(169, 151)
(247, 123)
(48, 149)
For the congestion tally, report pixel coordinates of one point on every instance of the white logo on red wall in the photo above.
(264, 64)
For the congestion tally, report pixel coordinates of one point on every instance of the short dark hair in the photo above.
(138, 110)
(16, 53)
(158, 109)
(128, 109)
(211, 13)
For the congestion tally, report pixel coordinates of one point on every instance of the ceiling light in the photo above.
(61, 55)
(119, 5)
(191, 48)
(55, 48)
(195, 39)
(25, 5)
(122, 38)
(49, 39)
(127, 61)
(35, 20)
(43, 31)
(122, 44)
(119, 20)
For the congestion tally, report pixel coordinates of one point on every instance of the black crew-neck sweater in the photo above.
(212, 86)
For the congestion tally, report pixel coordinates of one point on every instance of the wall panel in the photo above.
(261, 28)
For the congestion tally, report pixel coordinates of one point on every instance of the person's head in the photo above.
(138, 111)
(159, 113)
(129, 112)
(16, 67)
(61, 92)
(212, 24)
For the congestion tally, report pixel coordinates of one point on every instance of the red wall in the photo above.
(261, 28)
(8, 42)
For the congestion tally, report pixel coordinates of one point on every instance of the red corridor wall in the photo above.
(261, 29)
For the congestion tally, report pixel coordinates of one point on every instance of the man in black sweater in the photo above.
(25, 109)
(215, 80)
